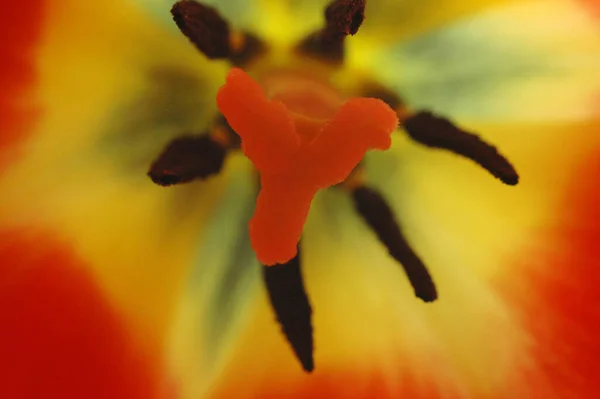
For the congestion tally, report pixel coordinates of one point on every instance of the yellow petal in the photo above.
(534, 61)
(397, 20)
(113, 88)
(469, 229)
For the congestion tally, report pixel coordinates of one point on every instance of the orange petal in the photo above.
(594, 6)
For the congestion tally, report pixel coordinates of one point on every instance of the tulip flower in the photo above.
(300, 199)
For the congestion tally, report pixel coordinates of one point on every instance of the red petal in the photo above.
(60, 338)
(564, 318)
(20, 29)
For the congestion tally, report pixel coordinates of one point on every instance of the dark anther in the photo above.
(437, 132)
(342, 18)
(186, 159)
(378, 215)
(292, 308)
(204, 27)
(244, 48)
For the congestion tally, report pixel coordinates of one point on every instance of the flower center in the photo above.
(297, 150)
(302, 94)
(303, 135)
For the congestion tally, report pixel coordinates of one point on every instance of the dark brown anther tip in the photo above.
(186, 159)
(204, 26)
(344, 17)
(292, 308)
(437, 132)
(379, 216)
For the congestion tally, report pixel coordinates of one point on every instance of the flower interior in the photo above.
(303, 134)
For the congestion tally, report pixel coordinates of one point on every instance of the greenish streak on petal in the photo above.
(226, 275)
(175, 101)
(461, 73)
(309, 14)
(488, 69)
(382, 167)
(241, 13)
(332, 227)
(386, 172)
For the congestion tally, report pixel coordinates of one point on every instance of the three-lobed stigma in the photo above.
(297, 156)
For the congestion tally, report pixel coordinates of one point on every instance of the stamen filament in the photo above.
(380, 217)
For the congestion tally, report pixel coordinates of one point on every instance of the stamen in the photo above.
(292, 308)
(186, 159)
(295, 166)
(434, 131)
(379, 216)
(244, 48)
(342, 18)
(204, 26)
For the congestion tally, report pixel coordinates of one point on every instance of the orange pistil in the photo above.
(297, 155)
